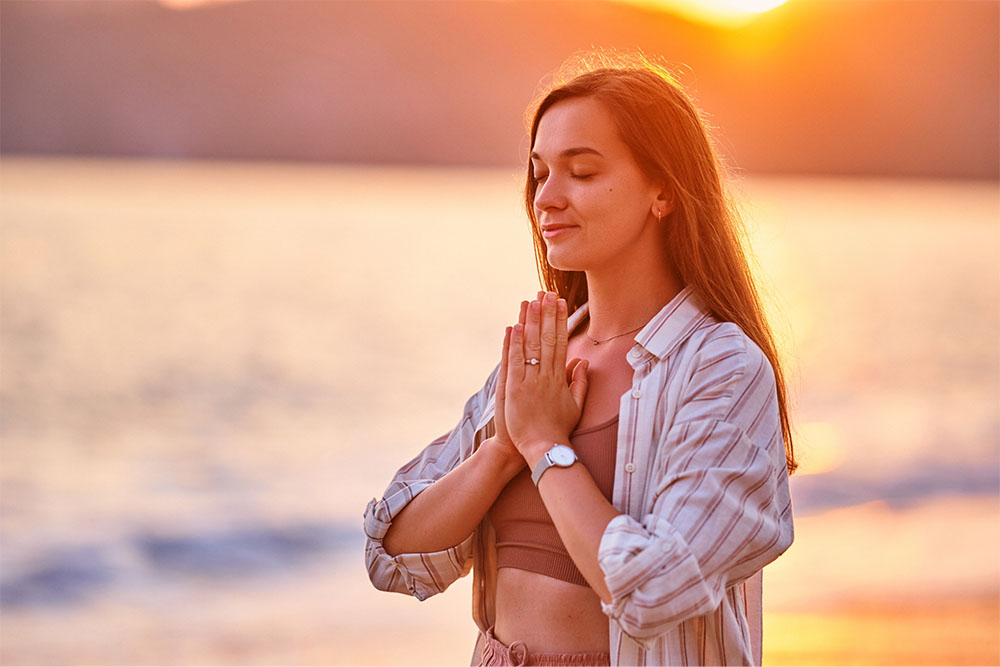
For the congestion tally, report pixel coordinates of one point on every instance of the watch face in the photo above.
(562, 455)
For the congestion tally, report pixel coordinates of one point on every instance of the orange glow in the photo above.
(189, 4)
(822, 449)
(730, 13)
(918, 631)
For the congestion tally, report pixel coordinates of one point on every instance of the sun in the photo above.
(718, 12)
(190, 4)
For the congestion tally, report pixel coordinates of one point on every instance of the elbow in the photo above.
(382, 571)
(645, 618)
(383, 568)
(387, 573)
(654, 578)
(420, 574)
(389, 544)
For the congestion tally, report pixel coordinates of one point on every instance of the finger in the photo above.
(515, 356)
(570, 367)
(531, 345)
(547, 336)
(502, 376)
(521, 319)
(578, 387)
(561, 335)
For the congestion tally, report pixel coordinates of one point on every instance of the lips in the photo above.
(556, 229)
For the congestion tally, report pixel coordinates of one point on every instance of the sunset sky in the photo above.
(719, 12)
(867, 87)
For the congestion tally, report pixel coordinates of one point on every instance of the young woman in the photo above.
(617, 508)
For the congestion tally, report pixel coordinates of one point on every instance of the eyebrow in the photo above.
(571, 152)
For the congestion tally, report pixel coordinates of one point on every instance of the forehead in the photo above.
(579, 122)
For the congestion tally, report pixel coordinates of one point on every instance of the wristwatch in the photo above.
(559, 455)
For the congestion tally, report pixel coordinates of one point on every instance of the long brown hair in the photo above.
(670, 141)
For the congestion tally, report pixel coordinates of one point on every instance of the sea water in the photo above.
(207, 369)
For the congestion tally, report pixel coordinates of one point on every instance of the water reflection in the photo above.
(207, 369)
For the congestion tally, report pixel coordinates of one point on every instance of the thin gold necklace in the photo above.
(605, 340)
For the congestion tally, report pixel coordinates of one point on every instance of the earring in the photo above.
(659, 215)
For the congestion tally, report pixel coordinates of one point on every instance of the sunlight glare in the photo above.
(190, 4)
(719, 12)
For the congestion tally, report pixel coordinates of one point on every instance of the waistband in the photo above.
(497, 654)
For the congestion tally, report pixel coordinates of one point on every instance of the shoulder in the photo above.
(688, 339)
(723, 370)
(723, 348)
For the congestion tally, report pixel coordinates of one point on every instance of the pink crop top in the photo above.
(526, 538)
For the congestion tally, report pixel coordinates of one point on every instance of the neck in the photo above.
(626, 297)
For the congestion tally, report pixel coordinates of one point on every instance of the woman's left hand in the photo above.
(543, 400)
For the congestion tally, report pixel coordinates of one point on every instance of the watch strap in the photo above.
(546, 462)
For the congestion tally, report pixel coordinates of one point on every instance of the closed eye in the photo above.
(581, 177)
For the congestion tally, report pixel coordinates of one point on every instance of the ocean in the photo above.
(207, 369)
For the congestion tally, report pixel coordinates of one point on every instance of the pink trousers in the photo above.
(496, 654)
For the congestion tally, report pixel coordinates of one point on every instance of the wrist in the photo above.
(506, 462)
(535, 448)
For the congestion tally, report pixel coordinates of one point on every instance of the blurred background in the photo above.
(236, 294)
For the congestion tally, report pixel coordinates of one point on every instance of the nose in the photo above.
(549, 195)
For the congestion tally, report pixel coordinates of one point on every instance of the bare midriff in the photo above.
(547, 614)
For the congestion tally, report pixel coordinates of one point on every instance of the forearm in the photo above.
(580, 513)
(449, 510)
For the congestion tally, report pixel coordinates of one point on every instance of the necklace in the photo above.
(605, 340)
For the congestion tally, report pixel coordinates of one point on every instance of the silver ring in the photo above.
(532, 361)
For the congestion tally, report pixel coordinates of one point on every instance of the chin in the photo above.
(562, 260)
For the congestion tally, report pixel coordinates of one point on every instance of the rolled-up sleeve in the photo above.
(721, 508)
(423, 574)
(418, 574)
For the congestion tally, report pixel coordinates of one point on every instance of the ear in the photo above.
(664, 203)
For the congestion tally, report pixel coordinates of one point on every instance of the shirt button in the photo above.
(630, 467)
(635, 353)
(636, 393)
(664, 547)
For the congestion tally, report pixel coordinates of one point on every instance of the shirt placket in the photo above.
(634, 432)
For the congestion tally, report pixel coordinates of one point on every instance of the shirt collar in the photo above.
(667, 329)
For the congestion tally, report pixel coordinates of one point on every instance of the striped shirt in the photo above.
(700, 481)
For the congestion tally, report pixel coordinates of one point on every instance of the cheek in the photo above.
(616, 210)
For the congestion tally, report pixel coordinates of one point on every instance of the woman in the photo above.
(660, 451)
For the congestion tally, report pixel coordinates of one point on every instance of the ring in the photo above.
(532, 361)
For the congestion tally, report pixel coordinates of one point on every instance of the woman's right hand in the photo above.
(502, 437)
